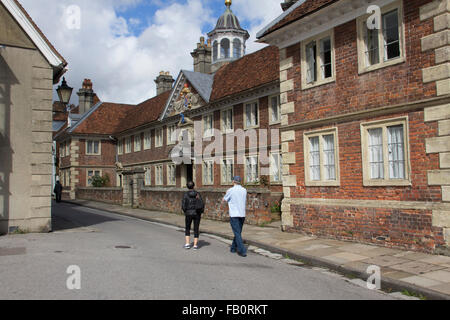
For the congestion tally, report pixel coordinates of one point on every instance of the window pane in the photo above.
(225, 49)
(275, 109)
(314, 159)
(329, 154)
(237, 48)
(391, 35)
(311, 72)
(96, 144)
(372, 46)
(325, 47)
(89, 147)
(376, 159)
(396, 149)
(215, 50)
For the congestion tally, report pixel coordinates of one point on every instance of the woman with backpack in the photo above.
(193, 208)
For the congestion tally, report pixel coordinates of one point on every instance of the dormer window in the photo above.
(237, 48)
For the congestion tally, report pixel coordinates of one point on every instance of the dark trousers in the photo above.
(238, 244)
(58, 196)
(196, 219)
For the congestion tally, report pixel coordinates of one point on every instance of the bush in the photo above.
(100, 182)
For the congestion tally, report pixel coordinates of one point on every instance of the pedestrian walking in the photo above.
(58, 191)
(236, 198)
(193, 207)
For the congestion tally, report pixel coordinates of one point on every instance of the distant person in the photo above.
(58, 191)
(193, 207)
(237, 201)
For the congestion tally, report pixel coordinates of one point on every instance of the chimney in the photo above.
(287, 4)
(202, 56)
(163, 82)
(85, 96)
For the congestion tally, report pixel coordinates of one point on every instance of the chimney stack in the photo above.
(163, 82)
(202, 56)
(287, 4)
(86, 96)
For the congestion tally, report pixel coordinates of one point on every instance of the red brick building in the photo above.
(365, 120)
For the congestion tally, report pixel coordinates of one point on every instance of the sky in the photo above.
(122, 45)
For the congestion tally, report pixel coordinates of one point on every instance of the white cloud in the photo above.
(121, 65)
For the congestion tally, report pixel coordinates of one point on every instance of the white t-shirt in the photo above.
(237, 201)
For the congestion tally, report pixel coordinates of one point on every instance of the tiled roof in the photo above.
(105, 119)
(251, 71)
(145, 112)
(307, 8)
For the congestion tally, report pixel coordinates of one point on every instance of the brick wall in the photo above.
(108, 195)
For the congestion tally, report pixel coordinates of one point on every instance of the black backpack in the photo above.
(199, 204)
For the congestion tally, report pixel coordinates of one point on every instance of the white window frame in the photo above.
(208, 132)
(223, 120)
(271, 121)
(210, 163)
(137, 142)
(171, 170)
(363, 65)
(159, 175)
(120, 146)
(223, 166)
(258, 173)
(119, 180)
(252, 125)
(89, 183)
(148, 176)
(147, 140)
(309, 182)
(170, 129)
(280, 167)
(99, 147)
(159, 137)
(384, 124)
(128, 146)
(321, 80)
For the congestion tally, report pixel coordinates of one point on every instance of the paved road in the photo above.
(155, 266)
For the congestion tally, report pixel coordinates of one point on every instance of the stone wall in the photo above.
(107, 195)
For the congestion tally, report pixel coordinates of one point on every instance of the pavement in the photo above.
(417, 274)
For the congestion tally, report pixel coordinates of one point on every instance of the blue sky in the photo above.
(122, 45)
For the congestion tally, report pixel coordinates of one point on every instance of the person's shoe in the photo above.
(233, 250)
(187, 246)
(195, 247)
(242, 254)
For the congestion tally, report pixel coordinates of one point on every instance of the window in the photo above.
(148, 176)
(275, 113)
(276, 167)
(159, 175)
(128, 145)
(92, 147)
(385, 152)
(137, 143)
(147, 140)
(237, 50)
(252, 169)
(321, 158)
(91, 174)
(119, 180)
(159, 137)
(227, 171)
(208, 125)
(215, 50)
(382, 47)
(225, 49)
(318, 60)
(120, 146)
(227, 120)
(171, 177)
(171, 134)
(251, 115)
(208, 172)
(67, 149)
(62, 150)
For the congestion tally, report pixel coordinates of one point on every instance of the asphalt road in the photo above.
(125, 258)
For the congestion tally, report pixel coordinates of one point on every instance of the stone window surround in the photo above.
(320, 133)
(128, 146)
(271, 122)
(169, 134)
(159, 176)
(120, 146)
(87, 141)
(222, 167)
(245, 114)
(367, 182)
(319, 81)
(137, 147)
(208, 183)
(246, 157)
(148, 174)
(222, 127)
(169, 167)
(87, 175)
(205, 133)
(280, 155)
(148, 134)
(159, 137)
(361, 46)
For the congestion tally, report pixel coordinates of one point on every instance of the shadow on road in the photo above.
(67, 216)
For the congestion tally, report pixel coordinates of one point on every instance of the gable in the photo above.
(11, 33)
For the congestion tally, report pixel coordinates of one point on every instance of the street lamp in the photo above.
(64, 92)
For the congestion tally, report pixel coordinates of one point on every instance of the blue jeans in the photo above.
(236, 225)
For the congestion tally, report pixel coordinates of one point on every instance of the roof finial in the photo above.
(228, 3)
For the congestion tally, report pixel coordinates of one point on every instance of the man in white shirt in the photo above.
(237, 202)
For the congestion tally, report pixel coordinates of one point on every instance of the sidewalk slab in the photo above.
(425, 274)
